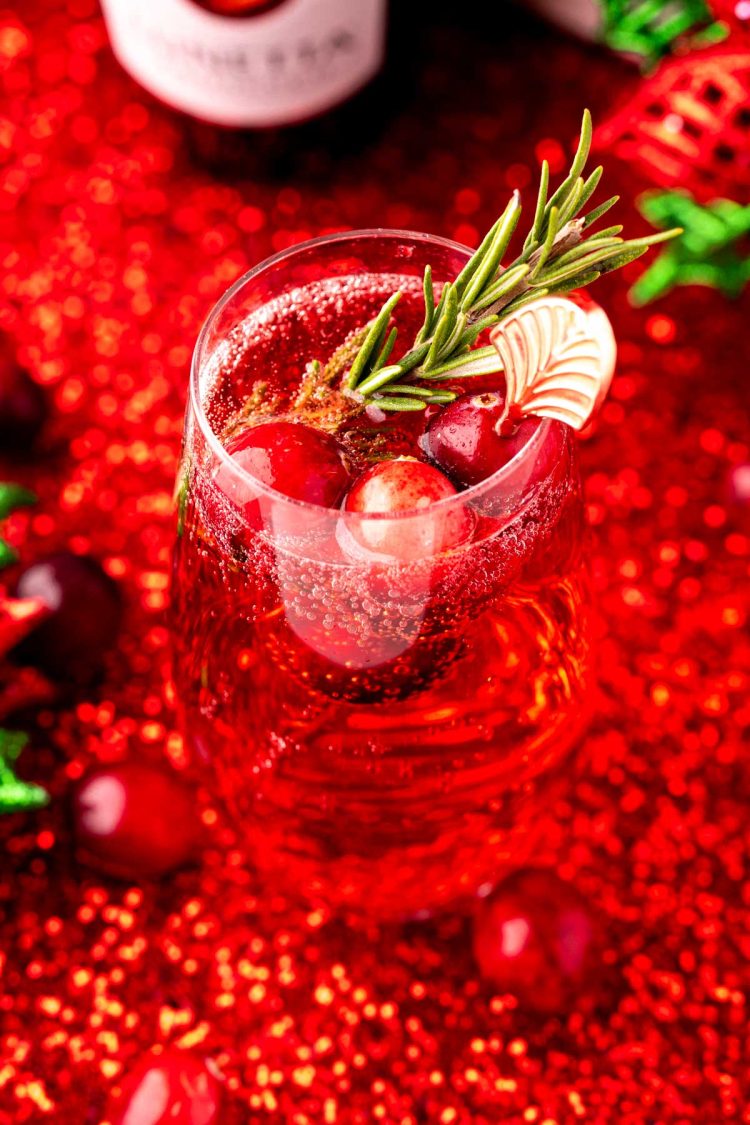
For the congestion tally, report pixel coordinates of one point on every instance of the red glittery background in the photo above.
(116, 237)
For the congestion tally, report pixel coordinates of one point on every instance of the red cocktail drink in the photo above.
(387, 701)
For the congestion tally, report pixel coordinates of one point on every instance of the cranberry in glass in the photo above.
(23, 407)
(405, 485)
(464, 442)
(536, 937)
(291, 457)
(84, 609)
(135, 820)
(172, 1087)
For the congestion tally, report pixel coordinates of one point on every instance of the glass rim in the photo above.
(473, 492)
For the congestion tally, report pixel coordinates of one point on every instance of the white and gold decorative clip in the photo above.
(558, 361)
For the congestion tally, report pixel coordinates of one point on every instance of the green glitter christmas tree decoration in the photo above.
(706, 254)
(16, 795)
(650, 28)
(12, 496)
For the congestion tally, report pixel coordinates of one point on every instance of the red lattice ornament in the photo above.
(689, 126)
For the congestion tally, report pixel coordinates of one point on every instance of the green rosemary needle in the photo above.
(560, 253)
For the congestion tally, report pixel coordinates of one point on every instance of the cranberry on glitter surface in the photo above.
(83, 619)
(135, 820)
(23, 406)
(537, 938)
(173, 1087)
(738, 486)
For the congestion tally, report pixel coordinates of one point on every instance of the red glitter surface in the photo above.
(114, 241)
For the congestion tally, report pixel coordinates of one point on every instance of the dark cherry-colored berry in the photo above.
(400, 486)
(463, 439)
(83, 617)
(23, 407)
(135, 820)
(738, 485)
(536, 937)
(169, 1087)
(291, 457)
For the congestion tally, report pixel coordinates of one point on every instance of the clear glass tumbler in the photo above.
(389, 726)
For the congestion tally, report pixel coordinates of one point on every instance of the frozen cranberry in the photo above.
(83, 618)
(171, 1087)
(536, 937)
(411, 489)
(464, 441)
(295, 459)
(135, 820)
(23, 407)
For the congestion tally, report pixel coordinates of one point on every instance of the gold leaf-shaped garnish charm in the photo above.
(558, 361)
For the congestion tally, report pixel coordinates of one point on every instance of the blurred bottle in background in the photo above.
(584, 18)
(249, 63)
(271, 89)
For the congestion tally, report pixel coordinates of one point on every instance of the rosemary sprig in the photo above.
(559, 254)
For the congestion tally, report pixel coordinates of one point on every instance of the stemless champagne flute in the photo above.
(387, 708)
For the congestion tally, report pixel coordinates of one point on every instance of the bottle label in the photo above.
(280, 64)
